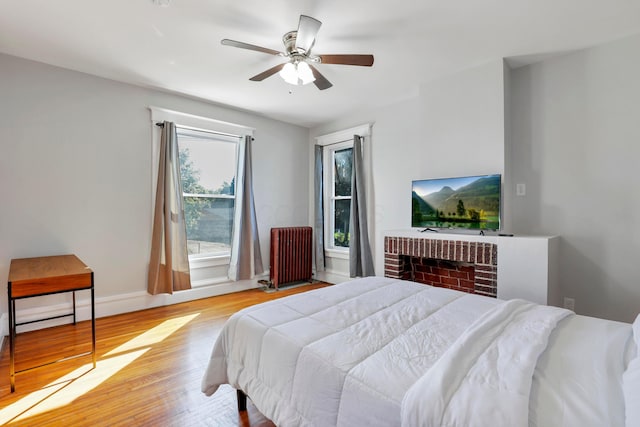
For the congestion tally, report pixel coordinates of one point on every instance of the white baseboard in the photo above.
(118, 304)
(330, 276)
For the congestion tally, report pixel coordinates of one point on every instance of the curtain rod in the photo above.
(339, 142)
(161, 124)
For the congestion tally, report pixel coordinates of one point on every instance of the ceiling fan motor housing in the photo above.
(289, 41)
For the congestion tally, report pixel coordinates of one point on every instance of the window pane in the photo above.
(341, 223)
(209, 224)
(342, 161)
(207, 167)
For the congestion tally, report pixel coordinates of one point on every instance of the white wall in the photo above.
(462, 124)
(454, 126)
(576, 145)
(567, 127)
(75, 171)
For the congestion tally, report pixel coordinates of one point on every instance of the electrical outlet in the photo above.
(569, 303)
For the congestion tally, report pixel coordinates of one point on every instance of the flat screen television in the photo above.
(469, 202)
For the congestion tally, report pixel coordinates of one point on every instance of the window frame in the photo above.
(214, 137)
(195, 122)
(330, 196)
(334, 142)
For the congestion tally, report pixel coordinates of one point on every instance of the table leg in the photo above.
(12, 341)
(93, 322)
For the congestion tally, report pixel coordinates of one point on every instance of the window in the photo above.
(337, 169)
(209, 150)
(340, 163)
(208, 171)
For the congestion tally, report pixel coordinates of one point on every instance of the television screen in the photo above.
(471, 202)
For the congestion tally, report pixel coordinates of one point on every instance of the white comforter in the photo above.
(378, 351)
(484, 378)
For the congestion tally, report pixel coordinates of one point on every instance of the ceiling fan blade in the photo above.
(270, 72)
(307, 31)
(242, 45)
(362, 60)
(321, 81)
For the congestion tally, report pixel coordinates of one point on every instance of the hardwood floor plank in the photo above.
(150, 365)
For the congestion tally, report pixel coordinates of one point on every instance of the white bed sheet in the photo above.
(578, 379)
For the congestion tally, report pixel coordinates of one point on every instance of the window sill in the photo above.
(209, 261)
(337, 253)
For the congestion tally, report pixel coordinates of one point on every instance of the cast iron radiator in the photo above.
(290, 255)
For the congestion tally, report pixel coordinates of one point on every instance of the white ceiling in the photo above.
(177, 48)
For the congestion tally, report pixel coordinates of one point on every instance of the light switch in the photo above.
(521, 189)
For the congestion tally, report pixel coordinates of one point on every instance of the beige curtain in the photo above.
(169, 261)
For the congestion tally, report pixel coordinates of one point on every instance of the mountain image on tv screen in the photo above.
(471, 202)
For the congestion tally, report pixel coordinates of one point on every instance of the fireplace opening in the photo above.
(442, 273)
(461, 265)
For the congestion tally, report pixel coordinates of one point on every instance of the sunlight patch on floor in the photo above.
(66, 389)
(154, 335)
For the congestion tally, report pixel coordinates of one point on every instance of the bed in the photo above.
(386, 352)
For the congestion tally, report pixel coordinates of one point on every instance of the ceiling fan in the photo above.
(300, 69)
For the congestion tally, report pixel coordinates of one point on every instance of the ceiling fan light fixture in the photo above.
(297, 73)
(304, 73)
(289, 73)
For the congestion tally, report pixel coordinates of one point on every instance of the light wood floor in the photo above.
(150, 364)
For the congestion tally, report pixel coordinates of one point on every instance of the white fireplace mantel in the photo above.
(526, 265)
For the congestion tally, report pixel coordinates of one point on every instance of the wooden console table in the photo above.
(33, 277)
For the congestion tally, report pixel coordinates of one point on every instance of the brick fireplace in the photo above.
(467, 266)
